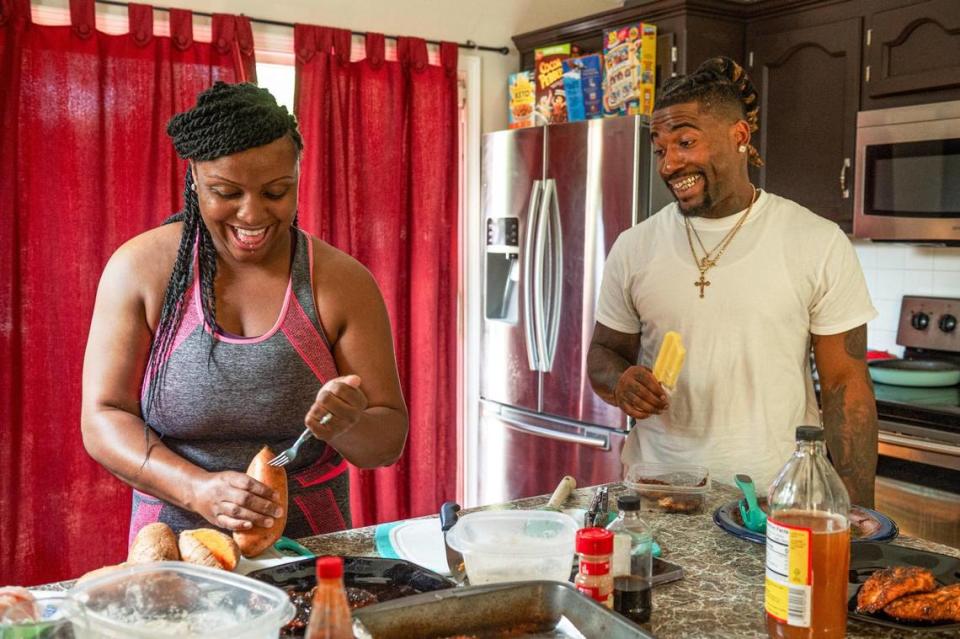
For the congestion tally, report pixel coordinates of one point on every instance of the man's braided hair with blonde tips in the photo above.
(718, 83)
(227, 119)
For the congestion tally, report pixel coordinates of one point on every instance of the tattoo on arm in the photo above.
(849, 412)
(855, 343)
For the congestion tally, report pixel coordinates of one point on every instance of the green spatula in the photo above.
(753, 516)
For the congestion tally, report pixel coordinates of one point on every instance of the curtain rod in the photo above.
(469, 44)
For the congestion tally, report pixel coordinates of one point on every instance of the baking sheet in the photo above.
(522, 609)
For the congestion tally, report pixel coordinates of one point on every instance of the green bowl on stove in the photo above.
(912, 372)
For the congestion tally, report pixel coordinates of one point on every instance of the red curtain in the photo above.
(85, 164)
(379, 181)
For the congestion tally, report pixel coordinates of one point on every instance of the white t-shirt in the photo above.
(746, 383)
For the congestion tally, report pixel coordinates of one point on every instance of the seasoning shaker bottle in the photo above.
(632, 565)
(595, 547)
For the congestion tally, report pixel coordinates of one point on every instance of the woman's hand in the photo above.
(639, 394)
(337, 408)
(235, 501)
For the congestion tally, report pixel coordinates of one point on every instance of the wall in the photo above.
(895, 270)
(486, 22)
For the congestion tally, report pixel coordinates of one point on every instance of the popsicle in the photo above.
(669, 360)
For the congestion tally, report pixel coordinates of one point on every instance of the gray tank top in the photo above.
(217, 408)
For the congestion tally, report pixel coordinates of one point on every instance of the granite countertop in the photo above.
(721, 594)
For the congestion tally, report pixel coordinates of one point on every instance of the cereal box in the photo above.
(523, 99)
(583, 82)
(551, 95)
(629, 56)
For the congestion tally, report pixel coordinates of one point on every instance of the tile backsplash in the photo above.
(895, 270)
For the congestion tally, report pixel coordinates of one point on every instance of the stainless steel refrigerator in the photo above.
(554, 201)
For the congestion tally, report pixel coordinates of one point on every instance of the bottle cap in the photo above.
(594, 541)
(329, 568)
(809, 434)
(628, 502)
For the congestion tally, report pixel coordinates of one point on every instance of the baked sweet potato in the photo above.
(154, 542)
(209, 547)
(99, 572)
(254, 541)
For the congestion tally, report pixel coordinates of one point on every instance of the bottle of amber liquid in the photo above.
(808, 545)
(330, 613)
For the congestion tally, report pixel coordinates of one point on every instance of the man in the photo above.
(749, 280)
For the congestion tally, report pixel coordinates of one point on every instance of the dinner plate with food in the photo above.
(865, 524)
(904, 588)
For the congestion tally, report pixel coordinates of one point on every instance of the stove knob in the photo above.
(947, 323)
(920, 321)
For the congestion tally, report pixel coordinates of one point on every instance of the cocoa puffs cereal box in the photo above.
(548, 71)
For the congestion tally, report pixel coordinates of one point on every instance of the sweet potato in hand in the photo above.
(254, 541)
(154, 542)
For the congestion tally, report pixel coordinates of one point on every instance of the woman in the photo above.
(212, 334)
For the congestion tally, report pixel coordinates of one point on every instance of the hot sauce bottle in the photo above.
(808, 545)
(330, 614)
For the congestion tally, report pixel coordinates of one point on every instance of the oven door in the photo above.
(918, 481)
(907, 174)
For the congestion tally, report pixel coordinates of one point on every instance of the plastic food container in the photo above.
(515, 545)
(669, 488)
(52, 622)
(174, 599)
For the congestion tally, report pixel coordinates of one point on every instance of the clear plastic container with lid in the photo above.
(515, 545)
(172, 599)
(632, 561)
(808, 545)
(595, 547)
(669, 488)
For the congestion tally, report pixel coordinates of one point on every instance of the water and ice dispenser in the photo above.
(502, 268)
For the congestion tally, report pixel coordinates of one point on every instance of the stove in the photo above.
(918, 471)
(928, 329)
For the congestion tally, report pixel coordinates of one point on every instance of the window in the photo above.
(279, 79)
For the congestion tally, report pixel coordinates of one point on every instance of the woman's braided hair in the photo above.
(718, 82)
(227, 119)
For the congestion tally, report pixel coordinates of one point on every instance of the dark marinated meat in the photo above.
(940, 605)
(360, 598)
(889, 584)
(679, 504)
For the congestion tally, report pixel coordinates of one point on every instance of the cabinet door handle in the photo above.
(844, 191)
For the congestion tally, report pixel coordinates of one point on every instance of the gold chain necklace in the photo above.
(709, 260)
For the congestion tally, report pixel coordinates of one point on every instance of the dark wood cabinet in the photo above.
(809, 84)
(912, 53)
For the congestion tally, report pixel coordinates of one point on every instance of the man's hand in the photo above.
(639, 394)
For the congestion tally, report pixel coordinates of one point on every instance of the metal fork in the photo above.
(290, 454)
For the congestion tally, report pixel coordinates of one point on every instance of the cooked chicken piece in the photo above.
(888, 584)
(940, 605)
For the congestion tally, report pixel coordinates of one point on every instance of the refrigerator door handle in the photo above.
(529, 327)
(539, 295)
(556, 293)
(601, 443)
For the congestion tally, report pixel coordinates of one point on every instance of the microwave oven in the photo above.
(907, 174)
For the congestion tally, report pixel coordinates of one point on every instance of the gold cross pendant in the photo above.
(702, 283)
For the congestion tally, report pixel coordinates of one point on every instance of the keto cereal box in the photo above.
(523, 99)
(550, 92)
(630, 58)
(583, 83)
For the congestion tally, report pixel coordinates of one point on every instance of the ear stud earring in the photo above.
(742, 148)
